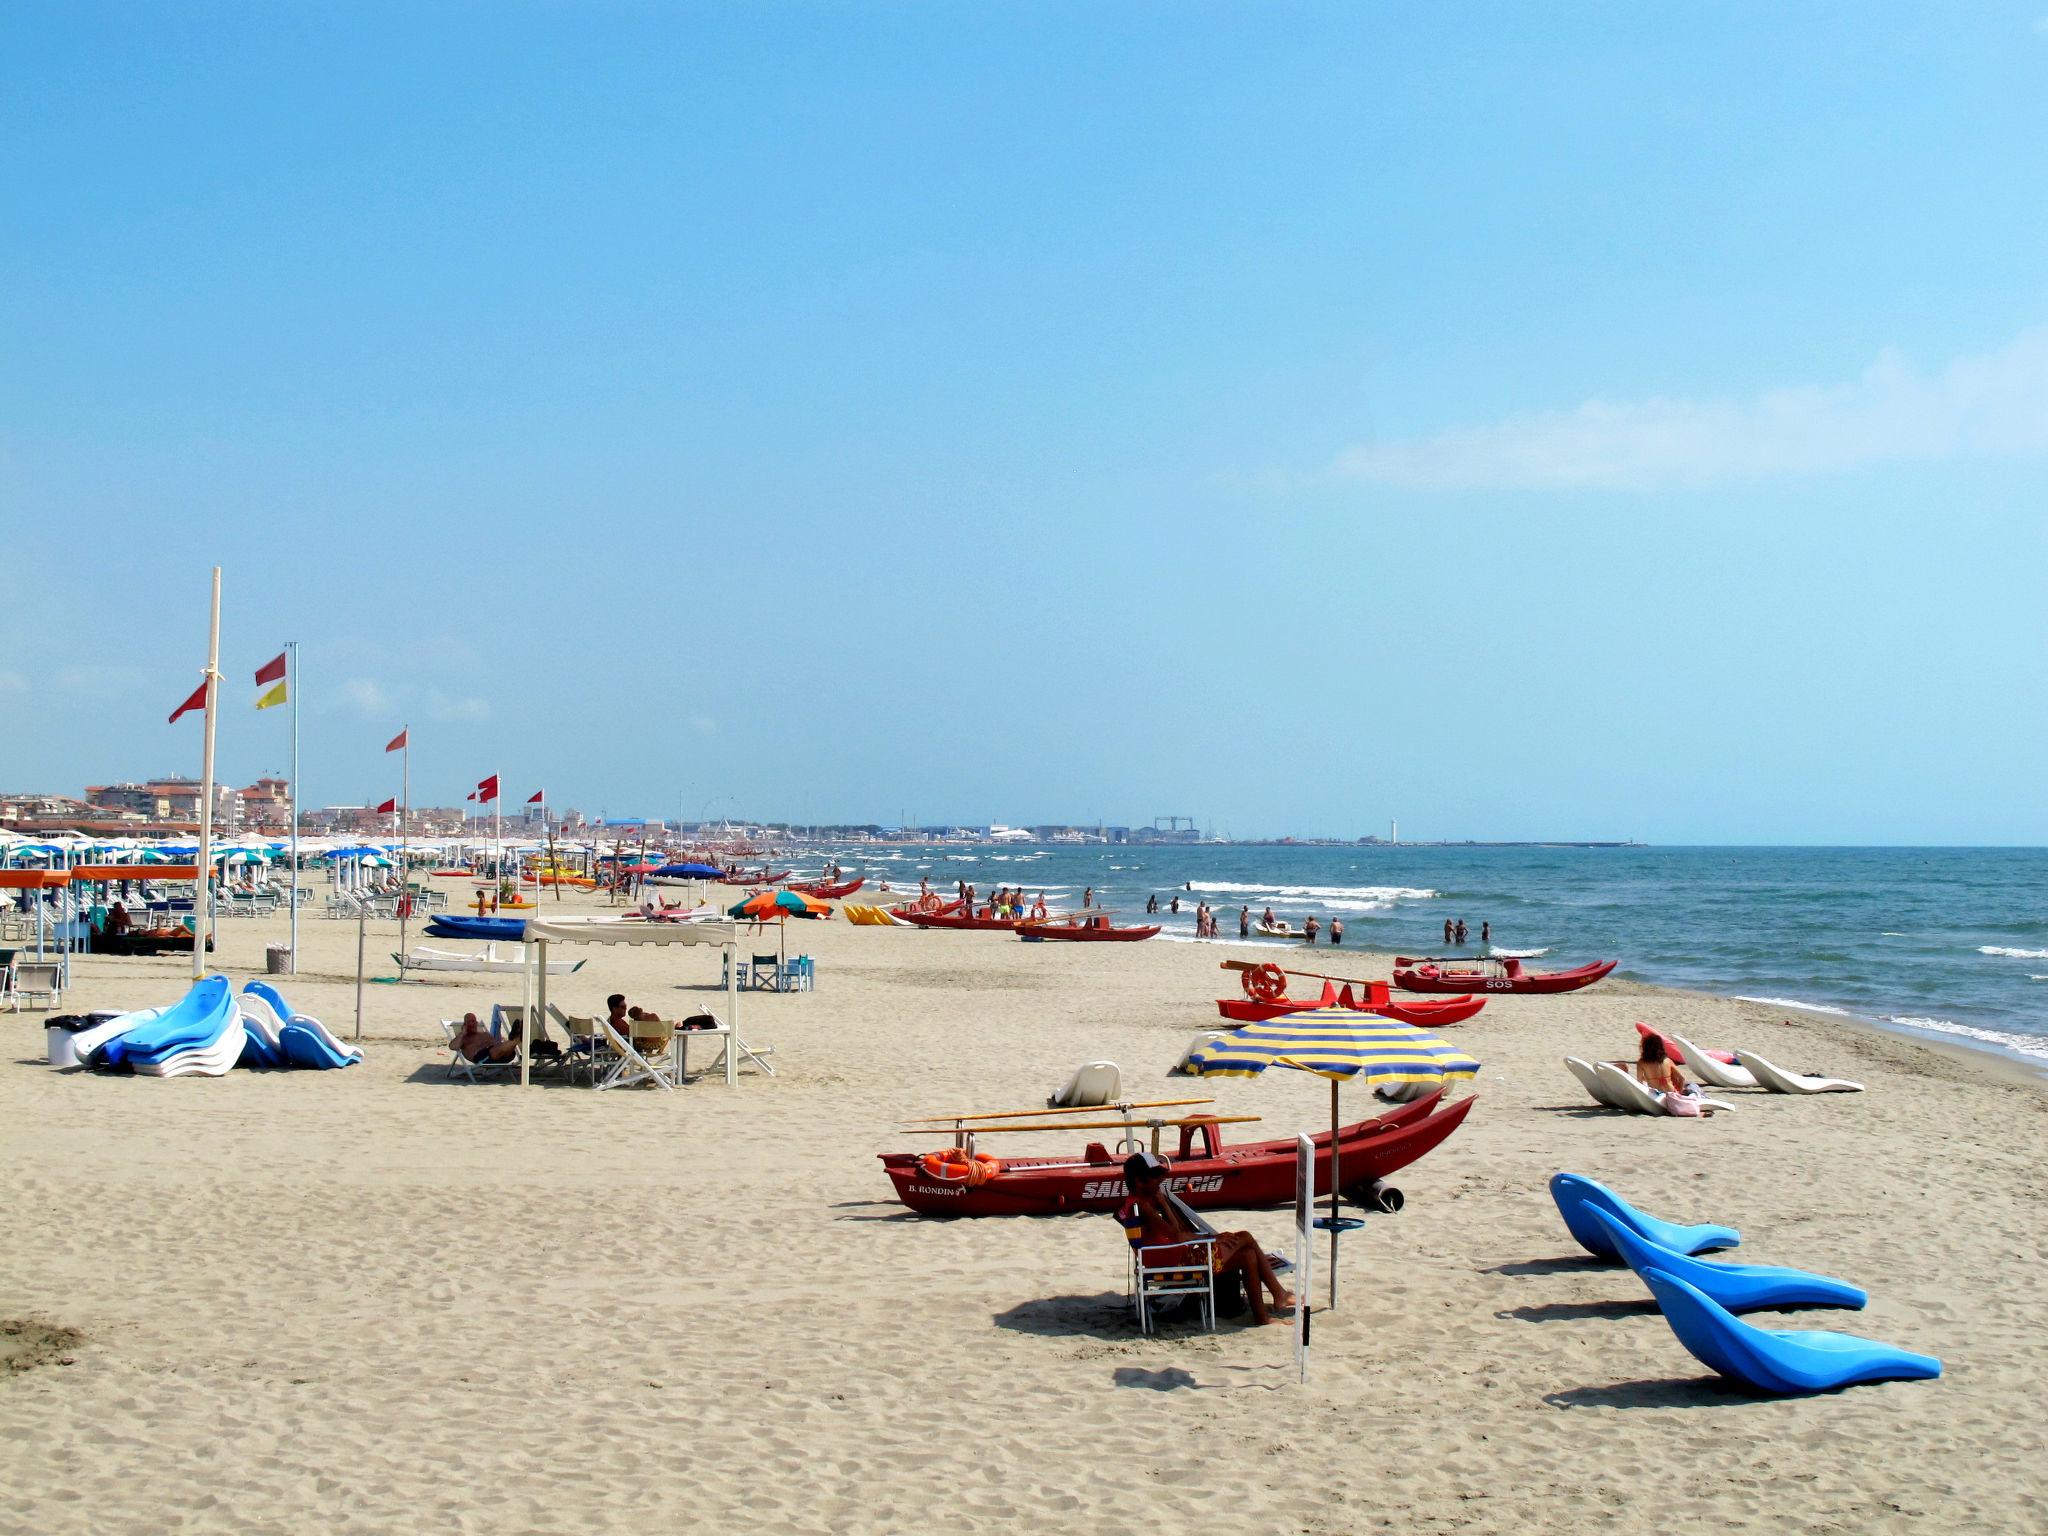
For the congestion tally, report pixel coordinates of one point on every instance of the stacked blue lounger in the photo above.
(303, 1041)
(201, 1034)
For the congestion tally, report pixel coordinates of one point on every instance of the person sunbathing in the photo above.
(475, 1043)
(1657, 1072)
(1150, 1219)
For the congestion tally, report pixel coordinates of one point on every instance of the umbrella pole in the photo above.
(1336, 1228)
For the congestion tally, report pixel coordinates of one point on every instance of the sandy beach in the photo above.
(378, 1299)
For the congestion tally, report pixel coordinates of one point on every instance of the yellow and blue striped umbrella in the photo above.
(1335, 1043)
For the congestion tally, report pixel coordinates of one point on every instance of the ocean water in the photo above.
(1945, 941)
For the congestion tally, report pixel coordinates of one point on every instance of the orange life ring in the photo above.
(1264, 983)
(952, 1165)
(927, 902)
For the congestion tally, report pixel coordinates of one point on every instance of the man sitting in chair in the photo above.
(632, 1022)
(476, 1043)
(1150, 1220)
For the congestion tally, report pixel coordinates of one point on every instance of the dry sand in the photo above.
(379, 1300)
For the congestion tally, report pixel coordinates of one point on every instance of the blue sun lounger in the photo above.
(195, 1020)
(1779, 1362)
(1576, 1196)
(1738, 1287)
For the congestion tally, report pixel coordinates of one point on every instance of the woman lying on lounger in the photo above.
(1151, 1220)
(1659, 1073)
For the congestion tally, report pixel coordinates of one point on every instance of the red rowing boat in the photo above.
(764, 878)
(1095, 931)
(1206, 1174)
(828, 892)
(958, 919)
(1449, 1010)
(1492, 976)
(937, 909)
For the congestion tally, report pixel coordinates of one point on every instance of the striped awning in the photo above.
(1335, 1043)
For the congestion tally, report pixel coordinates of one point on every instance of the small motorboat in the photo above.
(1492, 976)
(424, 958)
(960, 1181)
(1095, 930)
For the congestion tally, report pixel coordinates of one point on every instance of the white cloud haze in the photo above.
(1992, 403)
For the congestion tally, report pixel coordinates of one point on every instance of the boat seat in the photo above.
(1097, 1153)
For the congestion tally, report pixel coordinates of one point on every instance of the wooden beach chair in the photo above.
(630, 1066)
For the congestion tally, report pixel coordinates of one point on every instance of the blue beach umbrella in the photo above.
(1339, 1044)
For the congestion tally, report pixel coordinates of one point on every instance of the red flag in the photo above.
(397, 742)
(197, 701)
(536, 797)
(271, 671)
(387, 807)
(470, 796)
(487, 789)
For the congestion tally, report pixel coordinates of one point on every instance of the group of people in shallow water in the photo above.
(1008, 902)
(1455, 932)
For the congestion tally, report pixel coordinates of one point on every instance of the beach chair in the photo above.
(1165, 1272)
(38, 978)
(1778, 1080)
(1576, 1195)
(1777, 1362)
(7, 996)
(1635, 1096)
(460, 1065)
(1713, 1071)
(630, 1065)
(1589, 1079)
(582, 1036)
(1098, 1082)
(1203, 1041)
(763, 973)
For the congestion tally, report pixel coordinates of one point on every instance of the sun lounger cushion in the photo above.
(1738, 1287)
(1780, 1362)
(1576, 1196)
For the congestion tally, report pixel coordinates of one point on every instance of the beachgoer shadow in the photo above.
(1579, 1311)
(1105, 1315)
(1676, 1392)
(1172, 1379)
(1568, 1264)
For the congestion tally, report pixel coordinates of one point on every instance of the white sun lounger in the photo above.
(1589, 1079)
(1205, 1039)
(1636, 1096)
(1097, 1082)
(1711, 1070)
(1778, 1080)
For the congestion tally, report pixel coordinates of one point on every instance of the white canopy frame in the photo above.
(541, 932)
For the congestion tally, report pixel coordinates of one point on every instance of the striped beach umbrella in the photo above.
(764, 906)
(1339, 1044)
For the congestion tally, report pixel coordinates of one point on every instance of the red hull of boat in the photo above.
(1452, 1010)
(1256, 1176)
(1075, 934)
(826, 892)
(1408, 979)
(763, 879)
(956, 920)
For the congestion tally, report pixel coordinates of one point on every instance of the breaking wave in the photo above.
(1377, 893)
(1517, 954)
(2025, 1045)
(2015, 954)
(1792, 1002)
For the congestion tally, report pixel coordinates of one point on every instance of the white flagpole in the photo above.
(202, 904)
(292, 800)
(404, 839)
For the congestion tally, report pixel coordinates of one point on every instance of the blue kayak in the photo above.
(513, 928)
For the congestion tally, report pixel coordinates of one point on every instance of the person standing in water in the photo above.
(1486, 932)
(1244, 922)
(1310, 928)
(1088, 898)
(1448, 936)
(1463, 931)
(1336, 930)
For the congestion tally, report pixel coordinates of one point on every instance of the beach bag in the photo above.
(1681, 1104)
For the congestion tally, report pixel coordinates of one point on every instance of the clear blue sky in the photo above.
(1584, 421)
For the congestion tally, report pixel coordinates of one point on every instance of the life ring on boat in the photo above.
(952, 1165)
(927, 902)
(1264, 983)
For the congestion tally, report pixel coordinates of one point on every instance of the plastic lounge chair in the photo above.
(1098, 1082)
(1778, 1080)
(1780, 1362)
(1677, 1049)
(1202, 1041)
(195, 1020)
(260, 1029)
(1589, 1079)
(1738, 1287)
(88, 1043)
(1576, 1195)
(1637, 1096)
(1713, 1071)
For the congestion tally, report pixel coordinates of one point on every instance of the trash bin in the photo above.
(277, 959)
(57, 1035)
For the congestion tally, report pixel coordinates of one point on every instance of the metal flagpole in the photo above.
(202, 905)
(404, 839)
(292, 646)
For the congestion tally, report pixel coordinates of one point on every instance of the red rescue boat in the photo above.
(958, 919)
(1095, 930)
(1206, 1174)
(1449, 1010)
(764, 878)
(1492, 976)
(826, 891)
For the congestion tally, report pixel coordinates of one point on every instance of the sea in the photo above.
(1948, 942)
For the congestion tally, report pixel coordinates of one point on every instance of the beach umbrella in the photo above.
(1339, 1044)
(763, 905)
(685, 871)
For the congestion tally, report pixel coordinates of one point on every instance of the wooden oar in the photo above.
(1091, 1125)
(1082, 1109)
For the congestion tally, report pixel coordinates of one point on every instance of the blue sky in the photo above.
(1527, 421)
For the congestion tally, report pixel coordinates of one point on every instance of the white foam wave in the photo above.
(2032, 977)
(1888, 934)
(1189, 938)
(1791, 1002)
(1518, 954)
(1382, 893)
(2015, 954)
(2025, 1045)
